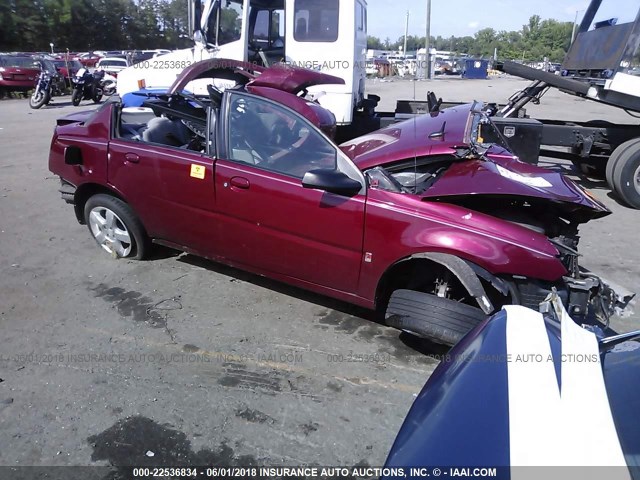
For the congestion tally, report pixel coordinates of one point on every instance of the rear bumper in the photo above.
(67, 191)
(17, 84)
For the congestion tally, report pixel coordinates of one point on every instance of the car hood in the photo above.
(494, 173)
(523, 387)
(502, 176)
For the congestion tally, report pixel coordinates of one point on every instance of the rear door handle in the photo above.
(240, 182)
(131, 157)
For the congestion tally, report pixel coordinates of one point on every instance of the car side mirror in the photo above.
(331, 181)
(73, 155)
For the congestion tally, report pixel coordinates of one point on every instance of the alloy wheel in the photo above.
(110, 231)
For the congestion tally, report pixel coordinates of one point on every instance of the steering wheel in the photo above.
(281, 134)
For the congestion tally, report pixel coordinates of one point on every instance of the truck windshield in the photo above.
(316, 21)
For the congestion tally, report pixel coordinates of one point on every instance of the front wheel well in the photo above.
(85, 192)
(426, 275)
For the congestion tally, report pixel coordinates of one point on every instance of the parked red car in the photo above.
(88, 60)
(17, 73)
(64, 66)
(431, 220)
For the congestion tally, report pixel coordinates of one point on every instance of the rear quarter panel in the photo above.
(92, 137)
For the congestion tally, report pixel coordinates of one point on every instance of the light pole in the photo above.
(575, 24)
(427, 43)
(51, 45)
(406, 31)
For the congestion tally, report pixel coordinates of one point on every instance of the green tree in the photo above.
(374, 43)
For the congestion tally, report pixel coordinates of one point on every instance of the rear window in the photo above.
(71, 63)
(316, 20)
(113, 63)
(19, 62)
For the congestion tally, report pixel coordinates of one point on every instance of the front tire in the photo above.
(76, 96)
(38, 99)
(97, 95)
(115, 227)
(428, 316)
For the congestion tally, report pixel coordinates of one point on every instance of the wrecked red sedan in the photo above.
(432, 220)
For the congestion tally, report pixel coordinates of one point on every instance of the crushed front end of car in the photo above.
(516, 225)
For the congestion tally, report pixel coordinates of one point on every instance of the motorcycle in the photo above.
(47, 86)
(109, 84)
(87, 86)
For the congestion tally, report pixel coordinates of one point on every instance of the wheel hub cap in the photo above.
(110, 231)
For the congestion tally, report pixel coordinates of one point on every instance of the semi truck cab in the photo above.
(328, 36)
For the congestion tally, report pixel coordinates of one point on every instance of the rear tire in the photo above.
(115, 227)
(76, 96)
(428, 316)
(109, 88)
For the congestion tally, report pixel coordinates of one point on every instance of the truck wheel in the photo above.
(626, 175)
(428, 316)
(615, 156)
(115, 227)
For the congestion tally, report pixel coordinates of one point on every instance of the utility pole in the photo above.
(406, 31)
(427, 43)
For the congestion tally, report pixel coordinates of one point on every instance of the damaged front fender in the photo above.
(465, 274)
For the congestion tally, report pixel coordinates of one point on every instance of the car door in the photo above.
(268, 219)
(169, 186)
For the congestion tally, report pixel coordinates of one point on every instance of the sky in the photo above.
(465, 17)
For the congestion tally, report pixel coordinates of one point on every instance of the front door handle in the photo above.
(131, 157)
(240, 182)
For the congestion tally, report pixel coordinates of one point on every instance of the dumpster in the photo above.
(475, 68)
